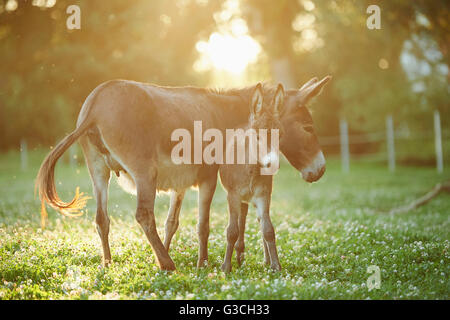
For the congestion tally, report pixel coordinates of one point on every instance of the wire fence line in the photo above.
(389, 136)
(343, 141)
(380, 137)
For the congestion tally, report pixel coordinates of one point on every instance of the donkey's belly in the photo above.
(177, 177)
(169, 178)
(173, 176)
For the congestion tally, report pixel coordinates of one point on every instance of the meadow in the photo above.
(328, 234)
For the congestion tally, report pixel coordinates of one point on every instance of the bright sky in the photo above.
(227, 52)
(230, 48)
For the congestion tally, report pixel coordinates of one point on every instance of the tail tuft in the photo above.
(70, 209)
(45, 180)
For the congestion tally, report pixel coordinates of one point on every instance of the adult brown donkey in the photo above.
(126, 126)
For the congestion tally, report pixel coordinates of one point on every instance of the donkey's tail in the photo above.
(45, 180)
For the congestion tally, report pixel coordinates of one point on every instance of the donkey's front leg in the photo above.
(173, 216)
(205, 194)
(266, 250)
(234, 207)
(262, 209)
(240, 245)
(146, 192)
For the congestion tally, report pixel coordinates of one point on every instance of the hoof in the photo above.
(275, 266)
(202, 263)
(106, 262)
(240, 259)
(168, 266)
(226, 268)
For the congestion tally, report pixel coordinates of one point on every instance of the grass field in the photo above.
(327, 236)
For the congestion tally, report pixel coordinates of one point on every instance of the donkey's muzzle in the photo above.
(315, 170)
(312, 177)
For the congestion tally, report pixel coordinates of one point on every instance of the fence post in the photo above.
(390, 142)
(23, 154)
(345, 154)
(438, 142)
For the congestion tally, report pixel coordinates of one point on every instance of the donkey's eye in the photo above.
(309, 129)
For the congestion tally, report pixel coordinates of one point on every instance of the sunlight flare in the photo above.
(227, 52)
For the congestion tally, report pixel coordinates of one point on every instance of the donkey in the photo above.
(245, 183)
(299, 145)
(125, 127)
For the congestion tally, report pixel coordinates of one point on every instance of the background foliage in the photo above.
(46, 70)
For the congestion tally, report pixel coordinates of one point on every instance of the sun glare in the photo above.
(230, 49)
(226, 52)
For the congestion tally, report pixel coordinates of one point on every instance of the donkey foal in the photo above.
(245, 184)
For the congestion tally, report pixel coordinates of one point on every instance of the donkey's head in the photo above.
(299, 143)
(265, 115)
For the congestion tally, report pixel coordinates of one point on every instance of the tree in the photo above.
(47, 70)
(319, 37)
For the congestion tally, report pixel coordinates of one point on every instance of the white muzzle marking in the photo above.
(270, 159)
(270, 163)
(315, 168)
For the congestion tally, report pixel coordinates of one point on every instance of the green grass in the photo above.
(327, 236)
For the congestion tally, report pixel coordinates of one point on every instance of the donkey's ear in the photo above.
(313, 90)
(310, 82)
(257, 100)
(278, 99)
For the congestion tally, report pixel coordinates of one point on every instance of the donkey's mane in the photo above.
(242, 92)
(237, 104)
(230, 104)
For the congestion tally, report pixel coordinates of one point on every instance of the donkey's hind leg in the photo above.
(146, 192)
(100, 175)
(240, 244)
(173, 217)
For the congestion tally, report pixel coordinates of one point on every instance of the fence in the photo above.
(343, 140)
(389, 136)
